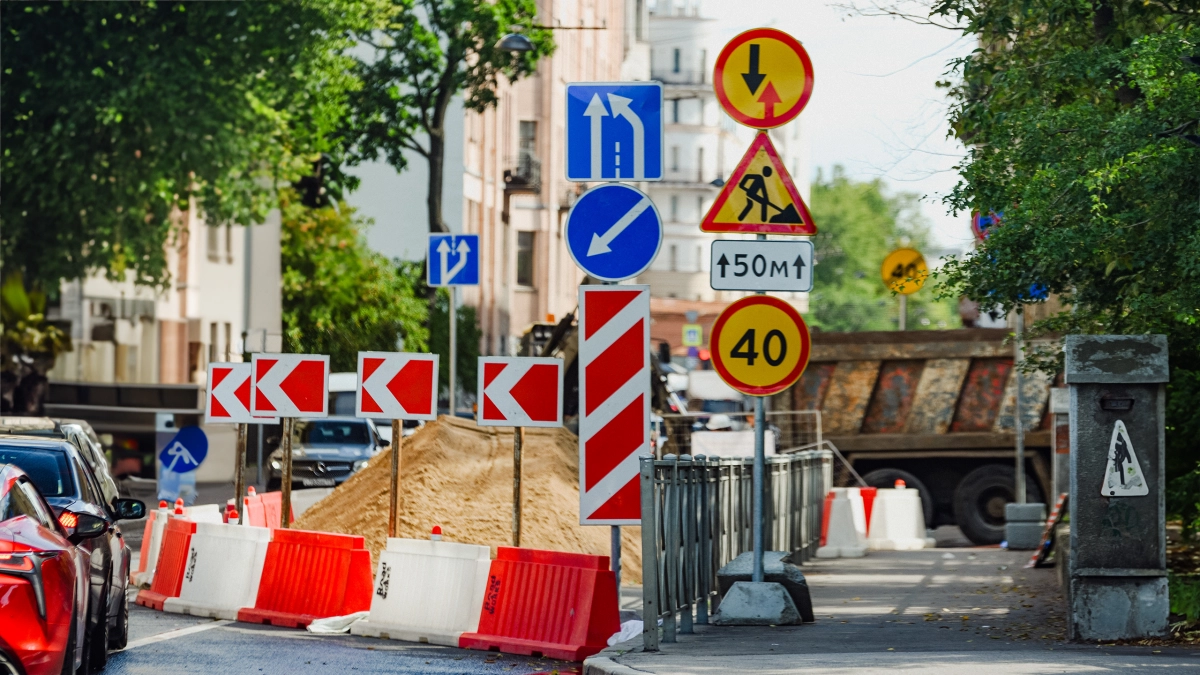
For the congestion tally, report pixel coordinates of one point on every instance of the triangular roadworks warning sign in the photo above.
(1123, 476)
(759, 197)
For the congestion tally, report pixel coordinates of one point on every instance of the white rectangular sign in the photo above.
(289, 385)
(754, 265)
(229, 395)
(520, 391)
(397, 386)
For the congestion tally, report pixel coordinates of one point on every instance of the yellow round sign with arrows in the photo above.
(904, 271)
(763, 78)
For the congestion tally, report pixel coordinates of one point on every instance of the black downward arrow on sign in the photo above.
(723, 263)
(753, 78)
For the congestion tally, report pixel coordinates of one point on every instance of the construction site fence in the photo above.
(697, 515)
(789, 430)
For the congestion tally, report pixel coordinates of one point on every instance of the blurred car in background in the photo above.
(79, 433)
(325, 452)
(63, 476)
(43, 581)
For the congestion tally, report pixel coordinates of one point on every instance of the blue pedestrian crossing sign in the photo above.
(615, 131)
(185, 451)
(453, 260)
(613, 232)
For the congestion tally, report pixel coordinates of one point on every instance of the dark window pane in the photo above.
(47, 468)
(331, 432)
(525, 258)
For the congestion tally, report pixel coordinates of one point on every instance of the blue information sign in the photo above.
(615, 131)
(613, 232)
(185, 451)
(453, 260)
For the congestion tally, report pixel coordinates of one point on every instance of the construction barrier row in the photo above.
(856, 520)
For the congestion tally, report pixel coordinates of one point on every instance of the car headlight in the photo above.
(276, 465)
(361, 464)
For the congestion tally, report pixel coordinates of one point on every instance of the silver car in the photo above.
(326, 452)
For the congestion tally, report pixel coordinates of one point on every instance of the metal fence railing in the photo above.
(697, 515)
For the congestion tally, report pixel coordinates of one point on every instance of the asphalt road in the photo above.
(164, 644)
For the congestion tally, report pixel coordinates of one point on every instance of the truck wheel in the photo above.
(886, 478)
(979, 501)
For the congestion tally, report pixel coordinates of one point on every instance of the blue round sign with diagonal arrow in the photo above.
(613, 232)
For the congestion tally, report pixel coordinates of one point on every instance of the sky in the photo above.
(875, 109)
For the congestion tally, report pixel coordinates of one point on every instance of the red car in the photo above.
(43, 580)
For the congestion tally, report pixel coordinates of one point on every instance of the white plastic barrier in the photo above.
(427, 591)
(898, 521)
(146, 576)
(302, 500)
(224, 566)
(204, 513)
(844, 538)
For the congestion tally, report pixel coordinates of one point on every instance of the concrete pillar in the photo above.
(1118, 571)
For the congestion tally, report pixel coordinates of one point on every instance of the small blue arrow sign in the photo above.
(613, 232)
(185, 451)
(453, 260)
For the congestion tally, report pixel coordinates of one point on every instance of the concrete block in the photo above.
(1116, 359)
(775, 569)
(764, 603)
(1025, 513)
(1118, 608)
(1023, 536)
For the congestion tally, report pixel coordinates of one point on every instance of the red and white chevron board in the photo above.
(229, 395)
(614, 402)
(397, 386)
(519, 391)
(289, 385)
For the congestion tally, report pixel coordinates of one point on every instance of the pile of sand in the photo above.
(460, 476)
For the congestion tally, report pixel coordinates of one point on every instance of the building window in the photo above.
(675, 111)
(699, 207)
(675, 61)
(528, 134)
(212, 342)
(214, 242)
(700, 165)
(674, 157)
(229, 243)
(525, 258)
(674, 208)
(228, 341)
(699, 258)
(703, 65)
(674, 257)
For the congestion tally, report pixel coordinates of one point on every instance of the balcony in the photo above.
(525, 174)
(693, 175)
(682, 76)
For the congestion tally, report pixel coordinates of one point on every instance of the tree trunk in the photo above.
(437, 163)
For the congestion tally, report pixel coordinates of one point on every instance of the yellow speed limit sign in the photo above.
(759, 345)
(904, 271)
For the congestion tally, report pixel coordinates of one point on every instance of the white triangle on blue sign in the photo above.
(1123, 475)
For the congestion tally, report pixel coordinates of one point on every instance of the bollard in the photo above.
(1117, 564)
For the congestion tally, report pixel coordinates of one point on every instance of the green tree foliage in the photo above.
(339, 297)
(859, 223)
(115, 113)
(466, 348)
(1081, 123)
(428, 52)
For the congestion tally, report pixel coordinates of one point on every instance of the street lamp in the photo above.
(515, 42)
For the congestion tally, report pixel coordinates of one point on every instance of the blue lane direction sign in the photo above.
(185, 451)
(613, 232)
(614, 131)
(453, 260)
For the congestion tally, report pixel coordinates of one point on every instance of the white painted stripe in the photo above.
(172, 634)
(617, 402)
(617, 326)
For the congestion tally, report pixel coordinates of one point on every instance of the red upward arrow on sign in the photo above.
(397, 386)
(520, 391)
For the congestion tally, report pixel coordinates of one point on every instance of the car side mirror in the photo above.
(87, 526)
(129, 509)
(383, 442)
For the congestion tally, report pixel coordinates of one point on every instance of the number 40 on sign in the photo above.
(760, 345)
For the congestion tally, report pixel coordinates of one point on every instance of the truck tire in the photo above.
(979, 501)
(886, 478)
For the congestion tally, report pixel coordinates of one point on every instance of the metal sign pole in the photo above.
(1018, 424)
(239, 470)
(394, 502)
(258, 476)
(518, 442)
(903, 312)
(286, 485)
(760, 460)
(453, 346)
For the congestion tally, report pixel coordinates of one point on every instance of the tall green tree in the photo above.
(1080, 120)
(428, 52)
(339, 296)
(113, 114)
(859, 223)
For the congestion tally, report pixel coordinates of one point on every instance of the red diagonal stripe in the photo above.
(242, 393)
(622, 360)
(613, 443)
(490, 411)
(218, 375)
(602, 306)
(369, 366)
(625, 505)
(368, 404)
(218, 410)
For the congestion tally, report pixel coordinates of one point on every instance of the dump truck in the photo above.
(936, 410)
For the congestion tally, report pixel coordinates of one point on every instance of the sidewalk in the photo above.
(935, 611)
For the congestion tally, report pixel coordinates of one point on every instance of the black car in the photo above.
(61, 475)
(326, 452)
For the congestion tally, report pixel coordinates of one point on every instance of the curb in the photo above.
(603, 665)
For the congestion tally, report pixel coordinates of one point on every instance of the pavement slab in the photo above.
(932, 611)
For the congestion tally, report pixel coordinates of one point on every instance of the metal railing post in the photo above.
(704, 540)
(650, 606)
(671, 546)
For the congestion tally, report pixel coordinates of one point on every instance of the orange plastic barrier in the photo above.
(172, 563)
(868, 495)
(144, 554)
(547, 603)
(263, 510)
(311, 575)
(825, 517)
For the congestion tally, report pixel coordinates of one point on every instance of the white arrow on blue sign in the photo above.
(613, 232)
(453, 260)
(185, 451)
(614, 131)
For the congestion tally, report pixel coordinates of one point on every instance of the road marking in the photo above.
(172, 634)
